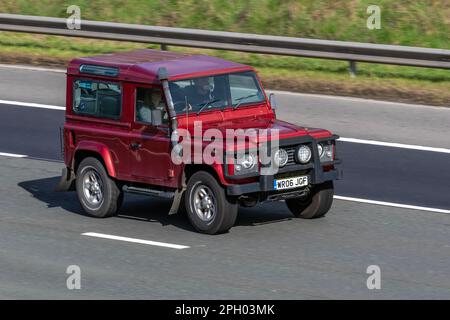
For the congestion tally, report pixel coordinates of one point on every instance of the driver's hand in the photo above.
(189, 108)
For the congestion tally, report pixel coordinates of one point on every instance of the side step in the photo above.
(149, 192)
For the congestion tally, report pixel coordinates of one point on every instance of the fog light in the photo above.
(304, 154)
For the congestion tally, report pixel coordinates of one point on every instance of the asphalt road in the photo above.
(371, 172)
(350, 117)
(268, 254)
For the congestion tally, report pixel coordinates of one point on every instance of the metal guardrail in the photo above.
(288, 46)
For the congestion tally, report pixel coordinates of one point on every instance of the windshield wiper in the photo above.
(244, 98)
(207, 104)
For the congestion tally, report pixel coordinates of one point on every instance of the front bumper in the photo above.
(314, 170)
(265, 183)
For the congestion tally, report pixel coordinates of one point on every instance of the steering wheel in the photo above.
(84, 91)
(179, 106)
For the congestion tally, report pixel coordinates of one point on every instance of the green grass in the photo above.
(405, 22)
(414, 23)
(67, 48)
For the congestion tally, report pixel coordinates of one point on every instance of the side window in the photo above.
(148, 100)
(98, 99)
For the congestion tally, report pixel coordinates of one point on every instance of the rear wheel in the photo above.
(315, 205)
(98, 194)
(208, 208)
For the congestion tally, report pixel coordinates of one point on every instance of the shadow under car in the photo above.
(148, 208)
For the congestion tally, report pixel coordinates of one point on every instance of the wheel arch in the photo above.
(95, 150)
(214, 170)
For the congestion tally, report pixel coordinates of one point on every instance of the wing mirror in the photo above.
(273, 102)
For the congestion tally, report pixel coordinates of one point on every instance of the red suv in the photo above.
(194, 128)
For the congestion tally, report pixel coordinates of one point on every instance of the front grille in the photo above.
(291, 158)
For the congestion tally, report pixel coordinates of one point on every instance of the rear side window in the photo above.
(97, 99)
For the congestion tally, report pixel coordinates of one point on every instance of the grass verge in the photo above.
(392, 83)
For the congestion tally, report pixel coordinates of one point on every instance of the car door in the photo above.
(149, 144)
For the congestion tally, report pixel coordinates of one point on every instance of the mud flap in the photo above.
(67, 181)
(176, 201)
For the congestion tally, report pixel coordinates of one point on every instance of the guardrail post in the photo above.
(164, 47)
(352, 68)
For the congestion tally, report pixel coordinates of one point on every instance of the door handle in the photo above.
(135, 145)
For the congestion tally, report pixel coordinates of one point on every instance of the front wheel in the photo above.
(208, 208)
(315, 205)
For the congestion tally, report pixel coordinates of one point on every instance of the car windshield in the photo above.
(216, 92)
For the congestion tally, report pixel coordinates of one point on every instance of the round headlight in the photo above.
(281, 157)
(320, 148)
(304, 154)
(248, 161)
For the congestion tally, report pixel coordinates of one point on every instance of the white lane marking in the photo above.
(391, 204)
(176, 246)
(355, 99)
(395, 145)
(351, 140)
(23, 67)
(12, 155)
(32, 105)
(134, 240)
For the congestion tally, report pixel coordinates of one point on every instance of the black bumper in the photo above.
(314, 170)
(265, 183)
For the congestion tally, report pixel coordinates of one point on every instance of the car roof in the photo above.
(142, 65)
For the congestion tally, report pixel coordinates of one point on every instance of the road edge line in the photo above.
(31, 105)
(392, 204)
(135, 240)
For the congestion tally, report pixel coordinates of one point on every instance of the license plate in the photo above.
(290, 183)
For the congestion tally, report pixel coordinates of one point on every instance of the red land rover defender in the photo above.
(194, 128)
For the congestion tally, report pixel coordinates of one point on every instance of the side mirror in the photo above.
(156, 117)
(273, 102)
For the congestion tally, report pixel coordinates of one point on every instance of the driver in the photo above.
(158, 103)
(143, 107)
(200, 92)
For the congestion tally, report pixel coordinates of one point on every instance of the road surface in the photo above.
(268, 254)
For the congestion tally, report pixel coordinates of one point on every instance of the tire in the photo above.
(316, 205)
(98, 194)
(215, 216)
(120, 200)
